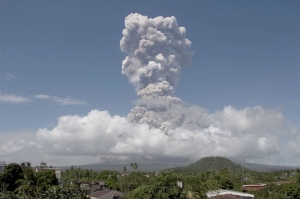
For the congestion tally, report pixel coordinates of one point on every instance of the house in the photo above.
(2, 166)
(106, 194)
(228, 194)
(252, 187)
(95, 187)
(85, 187)
(90, 188)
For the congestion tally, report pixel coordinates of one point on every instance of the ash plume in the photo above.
(156, 50)
(160, 126)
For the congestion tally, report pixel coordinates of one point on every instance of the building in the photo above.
(228, 194)
(106, 194)
(2, 166)
(85, 187)
(180, 184)
(90, 188)
(252, 187)
(57, 171)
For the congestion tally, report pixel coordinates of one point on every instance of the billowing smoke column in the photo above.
(156, 49)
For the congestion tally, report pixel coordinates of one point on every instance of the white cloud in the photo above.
(10, 98)
(67, 101)
(60, 101)
(18, 146)
(255, 119)
(10, 76)
(245, 133)
(98, 136)
(15, 99)
(42, 96)
(294, 146)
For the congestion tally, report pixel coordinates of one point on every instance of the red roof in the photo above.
(253, 186)
(226, 196)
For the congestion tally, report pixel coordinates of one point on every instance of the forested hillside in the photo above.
(212, 164)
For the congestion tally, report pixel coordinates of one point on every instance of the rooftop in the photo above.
(220, 192)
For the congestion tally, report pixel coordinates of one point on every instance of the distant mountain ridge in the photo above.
(263, 167)
(156, 166)
(207, 163)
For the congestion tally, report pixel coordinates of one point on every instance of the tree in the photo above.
(23, 164)
(132, 181)
(105, 174)
(192, 195)
(124, 170)
(221, 180)
(8, 195)
(289, 190)
(28, 164)
(45, 179)
(72, 191)
(5, 178)
(77, 174)
(43, 164)
(196, 186)
(27, 186)
(298, 176)
(135, 166)
(11, 174)
(142, 191)
(165, 186)
(53, 192)
(112, 182)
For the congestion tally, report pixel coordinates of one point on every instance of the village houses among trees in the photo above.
(211, 177)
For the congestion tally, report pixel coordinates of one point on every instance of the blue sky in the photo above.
(62, 58)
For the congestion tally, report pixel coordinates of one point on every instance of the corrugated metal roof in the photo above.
(97, 194)
(224, 192)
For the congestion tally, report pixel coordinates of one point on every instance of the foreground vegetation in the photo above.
(20, 182)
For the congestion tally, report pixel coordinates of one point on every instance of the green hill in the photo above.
(212, 164)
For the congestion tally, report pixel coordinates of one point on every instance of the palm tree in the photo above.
(53, 192)
(135, 165)
(27, 187)
(124, 170)
(73, 192)
(43, 164)
(131, 165)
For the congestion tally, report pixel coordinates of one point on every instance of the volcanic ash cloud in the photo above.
(156, 49)
(159, 126)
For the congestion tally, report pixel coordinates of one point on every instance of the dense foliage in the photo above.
(77, 174)
(19, 182)
(9, 178)
(290, 190)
